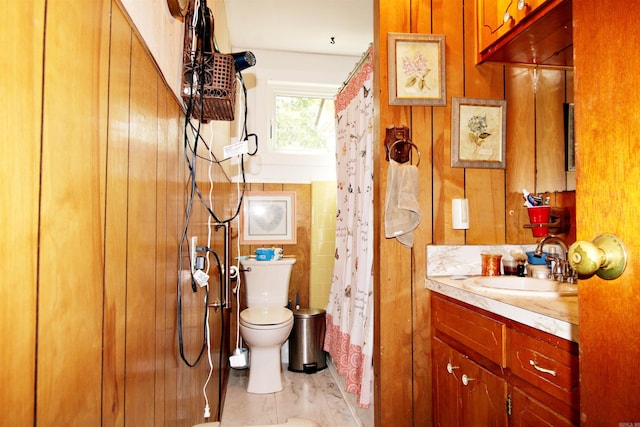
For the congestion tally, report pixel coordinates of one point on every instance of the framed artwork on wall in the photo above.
(570, 145)
(268, 218)
(416, 69)
(478, 133)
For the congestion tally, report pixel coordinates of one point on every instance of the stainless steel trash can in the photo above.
(306, 341)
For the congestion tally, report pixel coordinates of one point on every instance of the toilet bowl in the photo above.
(265, 329)
(265, 324)
(291, 422)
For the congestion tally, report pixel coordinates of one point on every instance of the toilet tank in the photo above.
(267, 282)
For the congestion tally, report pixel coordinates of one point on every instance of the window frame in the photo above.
(296, 89)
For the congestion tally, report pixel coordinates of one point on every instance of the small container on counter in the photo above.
(538, 271)
(509, 267)
(491, 264)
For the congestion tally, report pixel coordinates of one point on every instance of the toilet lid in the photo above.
(266, 315)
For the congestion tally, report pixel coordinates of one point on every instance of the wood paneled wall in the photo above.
(93, 208)
(20, 156)
(402, 326)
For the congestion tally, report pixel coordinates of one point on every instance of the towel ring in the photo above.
(402, 153)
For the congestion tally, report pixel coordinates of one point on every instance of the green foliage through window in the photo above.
(303, 124)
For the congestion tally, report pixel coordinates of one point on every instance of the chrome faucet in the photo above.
(561, 271)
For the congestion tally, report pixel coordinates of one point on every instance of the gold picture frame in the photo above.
(478, 133)
(570, 145)
(416, 69)
(268, 218)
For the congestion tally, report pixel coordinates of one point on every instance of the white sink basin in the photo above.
(513, 285)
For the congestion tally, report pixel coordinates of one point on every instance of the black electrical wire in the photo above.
(197, 55)
(196, 95)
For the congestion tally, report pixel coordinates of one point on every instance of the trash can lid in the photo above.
(306, 313)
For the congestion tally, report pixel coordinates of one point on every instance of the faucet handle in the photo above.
(606, 256)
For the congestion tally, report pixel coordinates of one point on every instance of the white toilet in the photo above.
(266, 322)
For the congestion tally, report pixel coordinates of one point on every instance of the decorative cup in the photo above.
(540, 215)
(491, 264)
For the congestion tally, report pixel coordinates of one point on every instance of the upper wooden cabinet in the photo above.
(525, 31)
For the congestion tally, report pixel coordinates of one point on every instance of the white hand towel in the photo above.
(402, 211)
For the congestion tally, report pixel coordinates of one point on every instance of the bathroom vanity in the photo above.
(503, 359)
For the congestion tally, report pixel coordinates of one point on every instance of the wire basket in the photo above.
(215, 97)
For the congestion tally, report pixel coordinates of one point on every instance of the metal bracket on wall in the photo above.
(401, 153)
(398, 146)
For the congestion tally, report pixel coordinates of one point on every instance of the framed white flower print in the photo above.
(416, 69)
(478, 133)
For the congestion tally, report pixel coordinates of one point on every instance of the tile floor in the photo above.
(315, 396)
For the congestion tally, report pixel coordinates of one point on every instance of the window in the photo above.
(302, 119)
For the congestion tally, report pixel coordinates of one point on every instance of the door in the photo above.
(446, 404)
(607, 132)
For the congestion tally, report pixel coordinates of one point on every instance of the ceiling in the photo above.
(301, 25)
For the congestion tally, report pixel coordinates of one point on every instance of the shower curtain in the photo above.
(349, 332)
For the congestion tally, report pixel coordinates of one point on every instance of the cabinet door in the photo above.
(483, 396)
(528, 412)
(446, 402)
(491, 20)
(465, 393)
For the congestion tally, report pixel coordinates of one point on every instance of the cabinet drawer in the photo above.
(480, 333)
(527, 411)
(552, 369)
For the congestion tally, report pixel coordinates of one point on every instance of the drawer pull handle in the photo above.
(466, 380)
(544, 370)
(450, 368)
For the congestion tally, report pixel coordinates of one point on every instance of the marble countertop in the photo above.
(555, 315)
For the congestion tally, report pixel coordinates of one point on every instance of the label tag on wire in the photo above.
(235, 149)
(201, 278)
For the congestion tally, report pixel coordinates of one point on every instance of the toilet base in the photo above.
(265, 370)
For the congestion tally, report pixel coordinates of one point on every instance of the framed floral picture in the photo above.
(416, 69)
(478, 133)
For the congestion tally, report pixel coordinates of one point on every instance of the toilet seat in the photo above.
(265, 317)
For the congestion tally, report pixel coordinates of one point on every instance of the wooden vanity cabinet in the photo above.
(467, 394)
(529, 31)
(492, 371)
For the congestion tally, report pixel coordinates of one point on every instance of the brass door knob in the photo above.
(606, 256)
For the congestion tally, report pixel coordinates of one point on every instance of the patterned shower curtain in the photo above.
(349, 333)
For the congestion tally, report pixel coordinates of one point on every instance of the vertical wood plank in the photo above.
(550, 97)
(392, 262)
(174, 211)
(448, 182)
(141, 240)
(116, 223)
(521, 150)
(483, 187)
(21, 87)
(424, 129)
(162, 222)
(70, 296)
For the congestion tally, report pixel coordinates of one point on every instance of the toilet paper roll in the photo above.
(460, 214)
